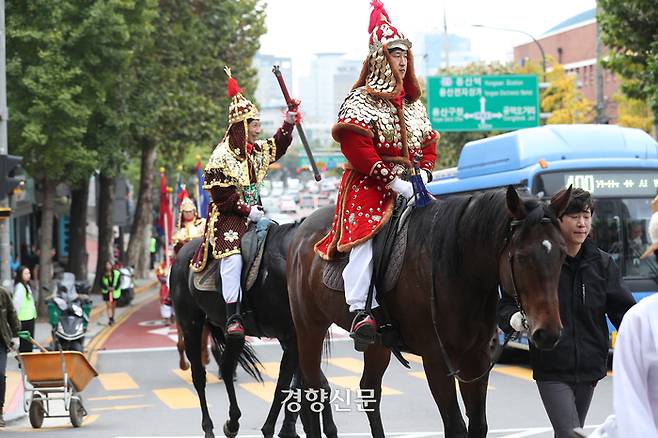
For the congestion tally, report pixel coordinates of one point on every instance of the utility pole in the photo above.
(446, 46)
(5, 274)
(600, 97)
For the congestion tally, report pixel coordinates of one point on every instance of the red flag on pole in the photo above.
(165, 218)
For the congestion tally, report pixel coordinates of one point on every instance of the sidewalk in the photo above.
(13, 410)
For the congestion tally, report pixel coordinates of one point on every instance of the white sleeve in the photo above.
(19, 296)
(630, 379)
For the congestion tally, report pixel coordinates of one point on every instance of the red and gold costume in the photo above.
(234, 171)
(187, 229)
(382, 125)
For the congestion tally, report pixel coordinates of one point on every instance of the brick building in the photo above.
(573, 44)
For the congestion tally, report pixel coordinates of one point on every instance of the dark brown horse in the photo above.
(459, 251)
(268, 316)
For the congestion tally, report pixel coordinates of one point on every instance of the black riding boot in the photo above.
(363, 331)
(234, 327)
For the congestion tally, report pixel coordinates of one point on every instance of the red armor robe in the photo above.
(229, 210)
(372, 132)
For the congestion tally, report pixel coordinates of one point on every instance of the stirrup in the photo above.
(234, 329)
(364, 329)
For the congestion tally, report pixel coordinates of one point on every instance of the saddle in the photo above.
(389, 247)
(251, 248)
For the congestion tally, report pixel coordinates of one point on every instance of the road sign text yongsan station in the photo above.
(483, 103)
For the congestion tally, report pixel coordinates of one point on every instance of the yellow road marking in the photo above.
(89, 419)
(187, 376)
(121, 408)
(421, 375)
(352, 383)
(178, 398)
(264, 390)
(115, 397)
(270, 369)
(14, 382)
(514, 371)
(117, 381)
(348, 363)
(413, 358)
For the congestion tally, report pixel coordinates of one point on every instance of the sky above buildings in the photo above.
(300, 28)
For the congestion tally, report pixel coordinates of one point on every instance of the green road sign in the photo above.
(483, 103)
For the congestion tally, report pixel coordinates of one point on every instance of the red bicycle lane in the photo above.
(142, 329)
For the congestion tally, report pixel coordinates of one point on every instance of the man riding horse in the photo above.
(189, 225)
(382, 127)
(236, 168)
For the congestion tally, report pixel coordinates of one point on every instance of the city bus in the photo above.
(617, 165)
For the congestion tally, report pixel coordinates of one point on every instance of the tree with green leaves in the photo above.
(57, 53)
(629, 29)
(179, 99)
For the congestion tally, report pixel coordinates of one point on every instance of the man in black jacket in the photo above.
(590, 287)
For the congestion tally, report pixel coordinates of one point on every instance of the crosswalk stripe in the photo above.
(352, 383)
(120, 408)
(514, 371)
(115, 397)
(117, 381)
(186, 375)
(263, 390)
(178, 398)
(347, 363)
(270, 369)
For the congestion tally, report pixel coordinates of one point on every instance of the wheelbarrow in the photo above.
(50, 376)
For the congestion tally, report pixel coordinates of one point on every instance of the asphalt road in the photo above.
(141, 393)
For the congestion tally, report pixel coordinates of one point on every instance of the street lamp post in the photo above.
(541, 49)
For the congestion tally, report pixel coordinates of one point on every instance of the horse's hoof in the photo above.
(230, 433)
(285, 435)
(183, 365)
(209, 434)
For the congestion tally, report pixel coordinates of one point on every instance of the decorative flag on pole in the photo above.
(165, 217)
(202, 196)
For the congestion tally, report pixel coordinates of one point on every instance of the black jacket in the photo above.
(9, 324)
(590, 287)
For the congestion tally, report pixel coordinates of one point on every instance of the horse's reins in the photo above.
(452, 372)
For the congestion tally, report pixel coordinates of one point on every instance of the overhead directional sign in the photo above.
(483, 103)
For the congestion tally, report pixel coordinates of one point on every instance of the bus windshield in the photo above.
(620, 227)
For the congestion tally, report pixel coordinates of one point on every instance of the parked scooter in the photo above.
(127, 286)
(68, 312)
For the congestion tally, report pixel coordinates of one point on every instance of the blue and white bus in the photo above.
(619, 166)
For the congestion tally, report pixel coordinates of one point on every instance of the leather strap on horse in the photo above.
(377, 276)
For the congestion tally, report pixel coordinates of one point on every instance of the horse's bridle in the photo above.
(514, 224)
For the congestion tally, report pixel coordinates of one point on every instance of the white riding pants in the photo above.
(230, 269)
(357, 276)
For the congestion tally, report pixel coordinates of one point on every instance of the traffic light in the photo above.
(8, 179)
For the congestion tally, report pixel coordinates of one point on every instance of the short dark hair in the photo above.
(580, 201)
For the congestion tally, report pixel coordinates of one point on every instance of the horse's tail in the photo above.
(326, 345)
(249, 362)
(248, 359)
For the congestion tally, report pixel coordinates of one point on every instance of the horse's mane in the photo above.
(462, 224)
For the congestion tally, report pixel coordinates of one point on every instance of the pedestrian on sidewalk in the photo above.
(9, 327)
(25, 305)
(110, 289)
